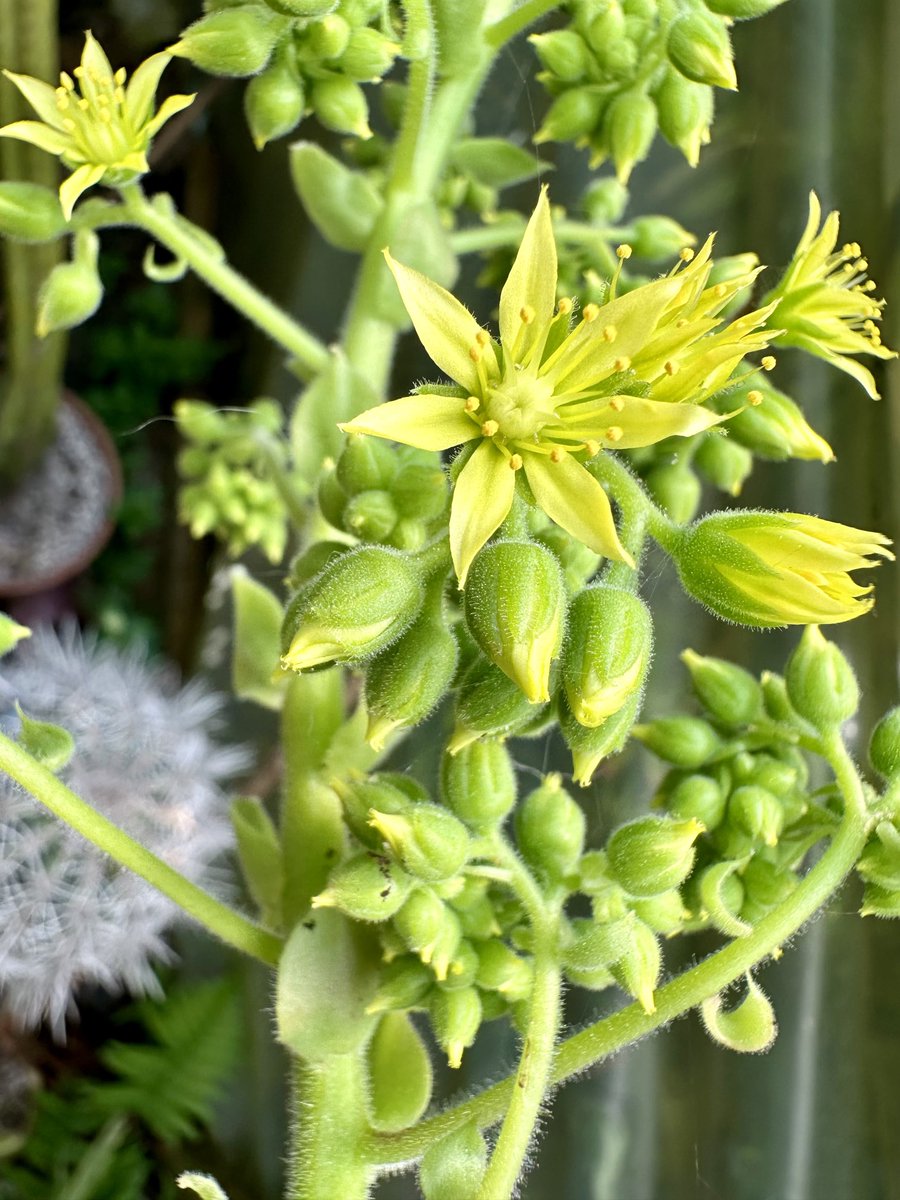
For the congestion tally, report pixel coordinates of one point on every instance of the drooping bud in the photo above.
(430, 929)
(590, 747)
(430, 842)
(30, 212)
(884, 746)
(478, 784)
(340, 104)
(368, 55)
(488, 704)
(638, 970)
(515, 610)
(629, 124)
(676, 489)
(699, 46)
(698, 797)
(367, 887)
(274, 101)
(731, 695)
(820, 682)
(749, 1027)
(685, 112)
(757, 812)
(72, 292)
(231, 41)
(500, 969)
(550, 829)
(354, 608)
(454, 1166)
(686, 742)
(652, 854)
(456, 1019)
(721, 895)
(404, 982)
(563, 53)
(607, 653)
(572, 115)
(725, 462)
(406, 681)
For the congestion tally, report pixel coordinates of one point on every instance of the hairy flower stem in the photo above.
(328, 1124)
(218, 918)
(526, 14)
(309, 354)
(686, 991)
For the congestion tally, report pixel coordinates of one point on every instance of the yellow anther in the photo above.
(861, 264)
(482, 337)
(869, 324)
(870, 285)
(69, 125)
(475, 354)
(623, 363)
(83, 104)
(768, 362)
(671, 368)
(526, 314)
(67, 81)
(564, 306)
(556, 455)
(615, 433)
(515, 462)
(617, 404)
(623, 252)
(686, 254)
(489, 428)
(472, 404)
(610, 333)
(681, 322)
(120, 76)
(720, 290)
(590, 312)
(849, 268)
(78, 72)
(754, 398)
(62, 100)
(592, 447)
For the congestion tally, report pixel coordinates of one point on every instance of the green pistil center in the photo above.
(520, 406)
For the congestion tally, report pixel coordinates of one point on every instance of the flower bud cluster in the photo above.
(304, 56)
(225, 466)
(604, 96)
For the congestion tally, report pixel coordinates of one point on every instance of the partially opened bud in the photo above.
(367, 887)
(231, 41)
(652, 854)
(607, 653)
(820, 682)
(72, 292)
(639, 968)
(775, 427)
(456, 1019)
(359, 794)
(430, 842)
(699, 47)
(550, 829)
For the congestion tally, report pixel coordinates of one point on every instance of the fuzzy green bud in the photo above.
(638, 970)
(590, 747)
(430, 929)
(563, 53)
(579, 563)
(741, 10)
(360, 794)
(370, 516)
(366, 464)
(629, 125)
(488, 704)
(404, 982)
(72, 292)
(665, 914)
(658, 237)
(406, 681)
(880, 861)
(572, 115)
(605, 201)
(456, 1019)
(699, 46)
(724, 462)
(341, 106)
(686, 742)
(274, 101)
(368, 55)
(698, 797)
(685, 114)
(325, 39)
(30, 212)
(430, 842)
(676, 489)
(463, 967)
(748, 1028)
(367, 887)
(820, 682)
(774, 427)
(597, 945)
(607, 26)
(765, 886)
(550, 829)
(478, 784)
(397, 1099)
(332, 497)
(421, 491)
(756, 812)
(652, 854)
(354, 608)
(731, 695)
(231, 41)
(515, 610)
(607, 653)
(501, 970)
(454, 1166)
(884, 746)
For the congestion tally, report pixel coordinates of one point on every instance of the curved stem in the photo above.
(214, 916)
(629, 493)
(328, 1124)
(687, 990)
(502, 31)
(310, 355)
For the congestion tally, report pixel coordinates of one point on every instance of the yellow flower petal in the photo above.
(529, 294)
(41, 96)
(482, 498)
(642, 422)
(39, 135)
(96, 66)
(140, 91)
(79, 181)
(573, 498)
(169, 107)
(446, 329)
(427, 421)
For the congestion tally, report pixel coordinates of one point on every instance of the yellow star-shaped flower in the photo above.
(550, 394)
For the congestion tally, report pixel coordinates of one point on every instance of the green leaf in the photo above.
(496, 162)
(259, 851)
(11, 633)
(400, 1074)
(341, 203)
(51, 745)
(257, 641)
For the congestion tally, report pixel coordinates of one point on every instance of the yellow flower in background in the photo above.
(826, 305)
(552, 392)
(97, 125)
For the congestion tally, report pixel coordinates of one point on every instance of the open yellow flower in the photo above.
(826, 306)
(98, 126)
(550, 394)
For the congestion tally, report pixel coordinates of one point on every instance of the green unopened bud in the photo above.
(550, 829)
(488, 704)
(877, 902)
(274, 101)
(368, 55)
(430, 929)
(340, 104)
(652, 854)
(454, 1166)
(721, 895)
(676, 489)
(500, 969)
(370, 516)
(685, 113)
(30, 212)
(884, 746)
(310, 562)
(302, 8)
(353, 609)
(430, 842)
(478, 784)
(456, 1019)
(397, 1099)
(775, 427)
(766, 885)
(421, 491)
(724, 462)
(406, 681)
(572, 115)
(326, 39)
(367, 887)
(563, 53)
(740, 10)
(404, 982)
(699, 47)
(365, 464)
(749, 1027)
(515, 610)
(475, 910)
(597, 945)
(607, 653)
(698, 797)
(629, 125)
(590, 747)
(665, 914)
(332, 497)
(731, 695)
(820, 682)
(775, 698)
(756, 812)
(72, 292)
(605, 201)
(638, 970)
(360, 794)
(686, 742)
(658, 237)
(607, 26)
(880, 861)
(463, 967)
(231, 41)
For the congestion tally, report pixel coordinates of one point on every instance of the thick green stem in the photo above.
(329, 1122)
(216, 917)
(310, 355)
(504, 30)
(681, 994)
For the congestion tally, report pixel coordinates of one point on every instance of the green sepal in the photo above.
(721, 894)
(400, 1074)
(259, 852)
(341, 203)
(749, 1027)
(50, 745)
(257, 642)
